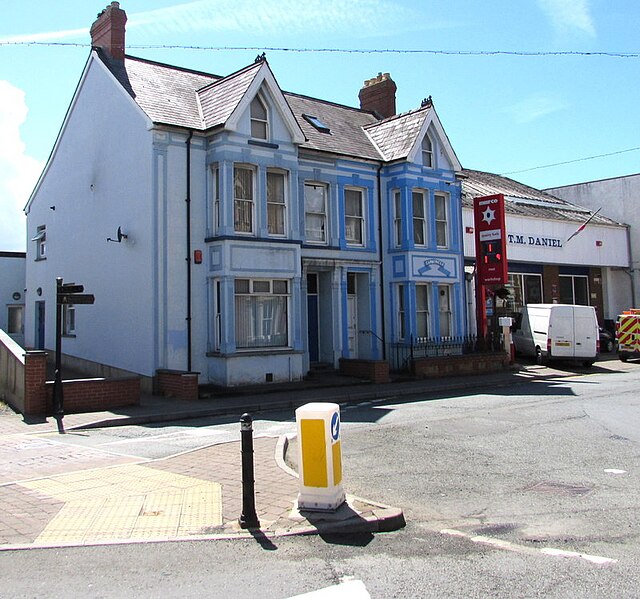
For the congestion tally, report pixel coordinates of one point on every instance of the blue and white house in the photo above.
(228, 228)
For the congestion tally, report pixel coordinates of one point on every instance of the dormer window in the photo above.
(259, 122)
(427, 152)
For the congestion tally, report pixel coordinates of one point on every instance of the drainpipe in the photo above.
(381, 252)
(631, 271)
(188, 202)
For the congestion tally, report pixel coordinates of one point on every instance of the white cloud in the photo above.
(47, 36)
(355, 17)
(569, 15)
(18, 172)
(536, 106)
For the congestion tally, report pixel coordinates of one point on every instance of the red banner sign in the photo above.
(491, 240)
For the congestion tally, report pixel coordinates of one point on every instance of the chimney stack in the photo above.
(107, 32)
(379, 95)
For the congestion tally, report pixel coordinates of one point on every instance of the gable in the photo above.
(264, 84)
(445, 157)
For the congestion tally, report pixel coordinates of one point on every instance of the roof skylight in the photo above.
(317, 123)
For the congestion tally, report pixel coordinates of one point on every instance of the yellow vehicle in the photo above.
(628, 334)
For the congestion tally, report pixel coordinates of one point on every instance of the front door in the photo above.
(352, 325)
(40, 325)
(312, 317)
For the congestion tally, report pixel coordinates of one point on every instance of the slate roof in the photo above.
(219, 99)
(180, 97)
(346, 125)
(396, 135)
(522, 200)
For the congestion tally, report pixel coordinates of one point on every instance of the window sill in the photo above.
(241, 353)
(263, 144)
(40, 259)
(69, 335)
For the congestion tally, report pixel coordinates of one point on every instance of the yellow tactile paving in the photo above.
(128, 502)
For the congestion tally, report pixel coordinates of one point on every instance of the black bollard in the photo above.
(248, 518)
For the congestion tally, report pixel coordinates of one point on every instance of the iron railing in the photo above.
(401, 353)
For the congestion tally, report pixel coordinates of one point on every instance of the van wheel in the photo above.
(539, 358)
(588, 363)
(609, 346)
(623, 356)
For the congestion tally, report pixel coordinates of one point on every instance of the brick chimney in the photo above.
(379, 95)
(107, 32)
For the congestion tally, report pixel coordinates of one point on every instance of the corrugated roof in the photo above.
(522, 200)
(396, 135)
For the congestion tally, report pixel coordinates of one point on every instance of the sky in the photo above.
(503, 112)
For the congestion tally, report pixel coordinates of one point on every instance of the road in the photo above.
(531, 491)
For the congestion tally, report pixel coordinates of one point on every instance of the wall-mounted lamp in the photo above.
(598, 243)
(119, 236)
(52, 208)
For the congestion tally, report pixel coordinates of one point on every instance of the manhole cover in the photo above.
(560, 488)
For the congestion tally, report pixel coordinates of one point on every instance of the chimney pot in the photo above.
(379, 95)
(108, 31)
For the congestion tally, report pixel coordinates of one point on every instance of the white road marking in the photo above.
(508, 546)
(614, 471)
(350, 589)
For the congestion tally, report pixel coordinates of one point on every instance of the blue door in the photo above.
(39, 325)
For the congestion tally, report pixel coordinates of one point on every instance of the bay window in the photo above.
(419, 217)
(243, 194)
(261, 313)
(276, 202)
(442, 220)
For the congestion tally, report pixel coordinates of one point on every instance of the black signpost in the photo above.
(65, 294)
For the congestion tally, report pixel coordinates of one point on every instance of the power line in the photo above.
(535, 168)
(343, 50)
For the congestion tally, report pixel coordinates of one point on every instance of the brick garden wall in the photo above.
(177, 383)
(459, 365)
(96, 395)
(376, 371)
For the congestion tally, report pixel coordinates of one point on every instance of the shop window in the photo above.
(574, 289)
(423, 292)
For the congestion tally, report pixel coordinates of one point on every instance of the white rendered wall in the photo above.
(12, 280)
(98, 179)
(619, 199)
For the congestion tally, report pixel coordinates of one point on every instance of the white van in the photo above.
(557, 332)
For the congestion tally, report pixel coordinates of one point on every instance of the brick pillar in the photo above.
(35, 376)
(551, 284)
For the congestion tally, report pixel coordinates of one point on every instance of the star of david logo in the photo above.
(488, 215)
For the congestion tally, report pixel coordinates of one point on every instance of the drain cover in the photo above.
(560, 488)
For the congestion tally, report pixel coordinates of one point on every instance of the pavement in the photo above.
(55, 494)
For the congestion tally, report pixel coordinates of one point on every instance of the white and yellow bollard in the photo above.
(320, 457)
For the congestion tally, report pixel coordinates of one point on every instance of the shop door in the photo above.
(312, 317)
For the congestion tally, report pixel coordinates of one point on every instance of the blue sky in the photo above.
(502, 113)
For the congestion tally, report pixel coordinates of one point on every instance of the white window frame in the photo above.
(259, 123)
(277, 206)
(402, 314)
(428, 155)
(423, 310)
(445, 315)
(321, 217)
(397, 217)
(255, 295)
(420, 221)
(41, 242)
(355, 222)
(442, 223)
(215, 198)
(68, 320)
(246, 204)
